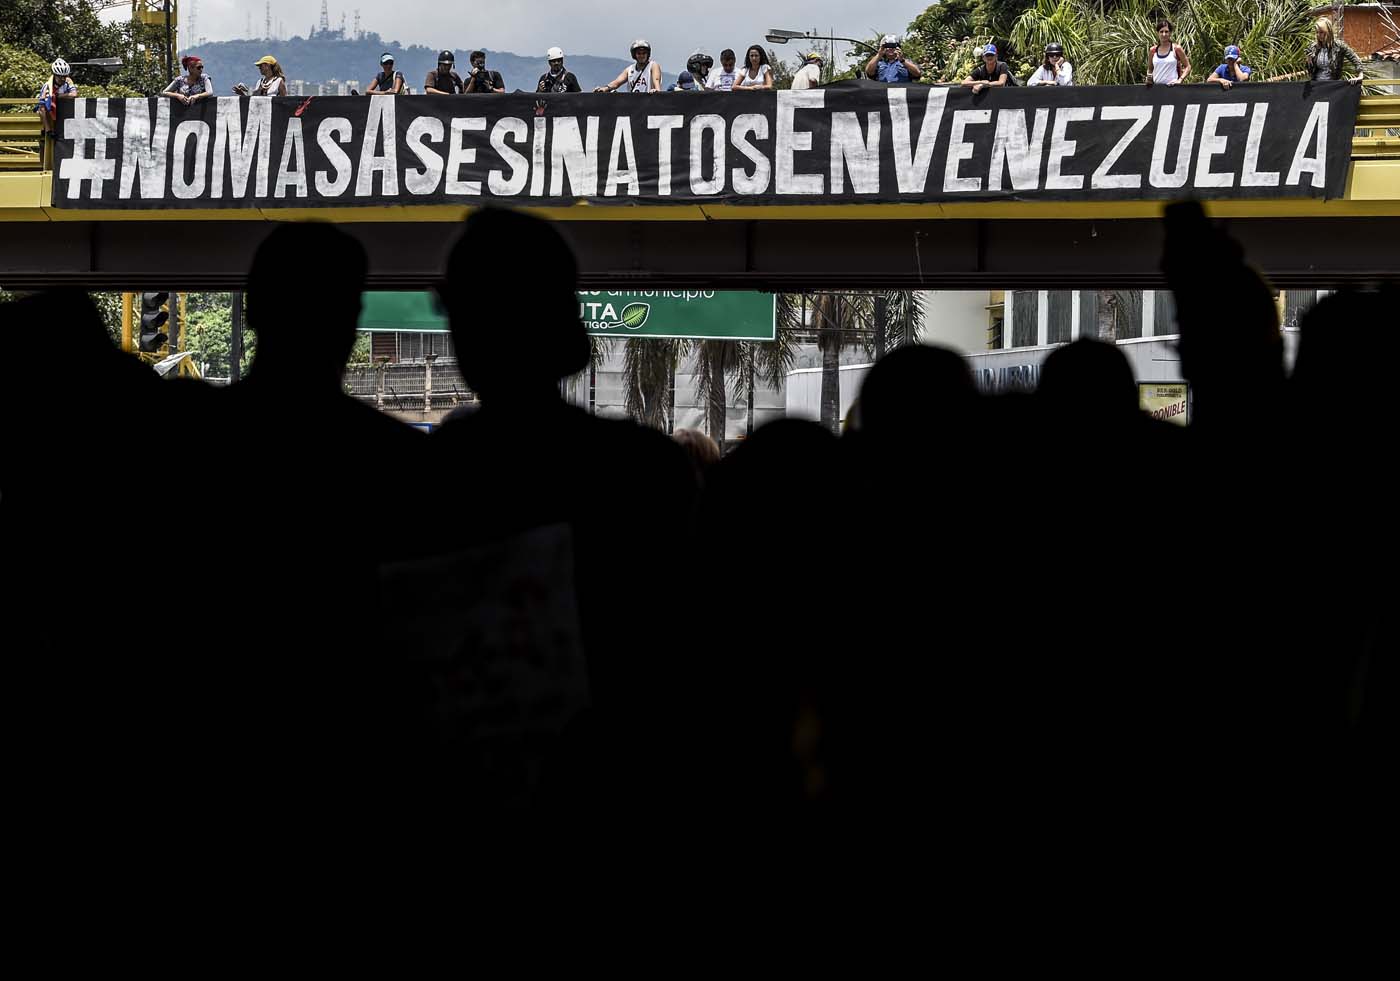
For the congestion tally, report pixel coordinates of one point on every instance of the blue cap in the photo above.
(990, 49)
(685, 78)
(1232, 51)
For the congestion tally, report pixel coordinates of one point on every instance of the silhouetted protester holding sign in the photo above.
(538, 605)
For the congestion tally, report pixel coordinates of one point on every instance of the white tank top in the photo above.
(639, 80)
(1164, 67)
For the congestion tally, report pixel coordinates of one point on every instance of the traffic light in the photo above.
(153, 318)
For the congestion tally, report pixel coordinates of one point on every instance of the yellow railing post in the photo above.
(127, 299)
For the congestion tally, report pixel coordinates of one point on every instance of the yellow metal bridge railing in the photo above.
(1377, 134)
(21, 136)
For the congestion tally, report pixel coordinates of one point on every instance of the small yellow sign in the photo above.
(1167, 401)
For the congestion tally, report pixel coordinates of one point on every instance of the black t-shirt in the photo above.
(563, 82)
(496, 81)
(979, 74)
(451, 82)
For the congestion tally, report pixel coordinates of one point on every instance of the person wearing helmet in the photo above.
(1054, 70)
(699, 65)
(444, 80)
(483, 80)
(59, 86)
(809, 76)
(272, 82)
(388, 81)
(192, 86)
(557, 79)
(890, 65)
(644, 75)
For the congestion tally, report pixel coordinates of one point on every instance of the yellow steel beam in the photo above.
(1373, 189)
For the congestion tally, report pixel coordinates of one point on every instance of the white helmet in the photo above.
(889, 39)
(554, 54)
(639, 43)
(60, 67)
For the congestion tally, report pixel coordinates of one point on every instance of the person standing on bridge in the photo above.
(1054, 70)
(444, 79)
(273, 81)
(756, 75)
(59, 86)
(1329, 57)
(1232, 70)
(699, 65)
(484, 80)
(192, 86)
(643, 75)
(388, 81)
(723, 80)
(993, 72)
(809, 76)
(557, 79)
(890, 65)
(1167, 62)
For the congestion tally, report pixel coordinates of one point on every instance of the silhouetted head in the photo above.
(1089, 381)
(304, 299)
(918, 387)
(702, 451)
(1324, 374)
(510, 296)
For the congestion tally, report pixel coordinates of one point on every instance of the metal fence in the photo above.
(409, 386)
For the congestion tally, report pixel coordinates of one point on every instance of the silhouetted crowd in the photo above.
(271, 603)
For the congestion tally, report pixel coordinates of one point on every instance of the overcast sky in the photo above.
(594, 27)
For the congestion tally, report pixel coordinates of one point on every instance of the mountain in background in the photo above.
(330, 56)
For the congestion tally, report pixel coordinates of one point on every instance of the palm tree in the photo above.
(649, 378)
(718, 363)
(876, 321)
(1108, 41)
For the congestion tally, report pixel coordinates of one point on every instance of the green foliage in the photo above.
(1107, 40)
(209, 334)
(23, 73)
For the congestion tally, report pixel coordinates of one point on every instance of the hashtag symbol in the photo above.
(83, 130)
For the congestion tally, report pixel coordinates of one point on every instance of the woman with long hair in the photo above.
(1167, 61)
(272, 82)
(1328, 58)
(756, 74)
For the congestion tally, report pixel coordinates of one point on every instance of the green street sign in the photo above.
(694, 314)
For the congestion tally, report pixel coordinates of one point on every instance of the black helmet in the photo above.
(1054, 48)
(700, 60)
(447, 57)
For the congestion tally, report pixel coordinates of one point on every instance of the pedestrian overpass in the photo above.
(1092, 241)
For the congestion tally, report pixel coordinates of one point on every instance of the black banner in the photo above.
(848, 143)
